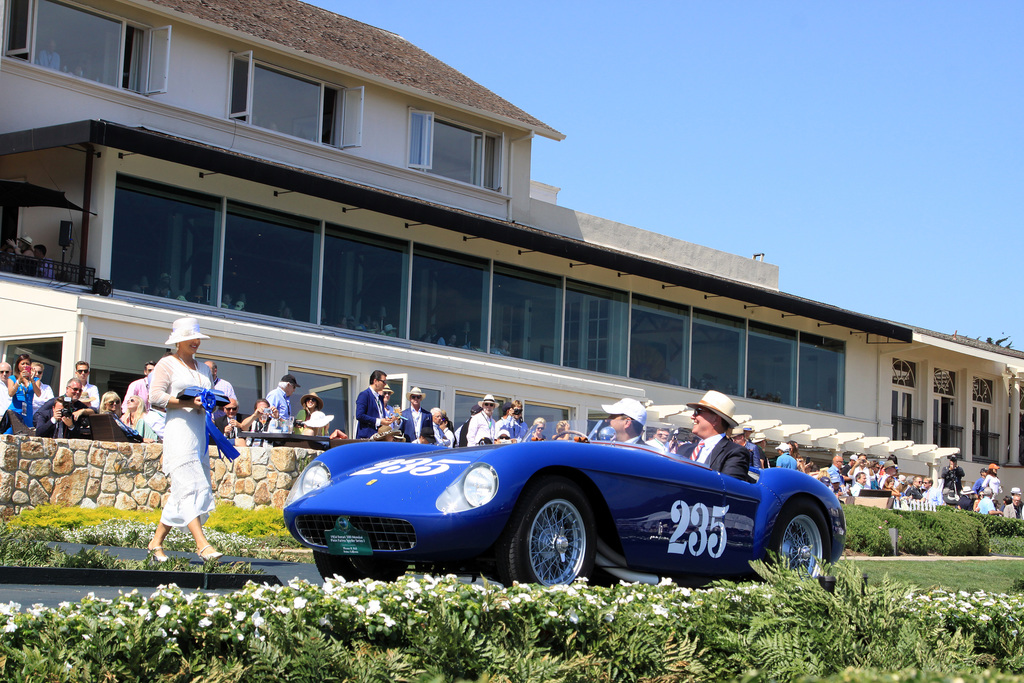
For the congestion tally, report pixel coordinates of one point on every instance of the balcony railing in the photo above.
(947, 435)
(47, 269)
(907, 429)
(986, 446)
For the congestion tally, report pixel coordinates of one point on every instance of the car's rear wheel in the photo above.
(550, 537)
(801, 539)
(355, 567)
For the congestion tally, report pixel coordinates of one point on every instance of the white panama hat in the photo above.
(718, 403)
(318, 420)
(185, 329)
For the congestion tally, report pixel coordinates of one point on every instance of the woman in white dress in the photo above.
(186, 458)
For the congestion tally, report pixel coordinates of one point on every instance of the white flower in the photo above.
(985, 617)
(240, 616)
(373, 607)
(163, 611)
(257, 619)
(300, 602)
(205, 623)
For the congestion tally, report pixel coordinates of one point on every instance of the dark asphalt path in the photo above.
(52, 595)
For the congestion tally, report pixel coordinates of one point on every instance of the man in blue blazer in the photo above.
(712, 418)
(369, 407)
(417, 421)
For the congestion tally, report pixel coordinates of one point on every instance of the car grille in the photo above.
(385, 533)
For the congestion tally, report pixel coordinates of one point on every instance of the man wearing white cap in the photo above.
(1016, 508)
(712, 418)
(785, 459)
(627, 417)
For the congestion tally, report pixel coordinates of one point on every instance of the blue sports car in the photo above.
(551, 511)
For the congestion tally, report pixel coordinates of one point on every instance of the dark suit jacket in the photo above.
(727, 457)
(46, 428)
(366, 413)
(409, 427)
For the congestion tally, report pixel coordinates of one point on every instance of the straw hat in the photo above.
(185, 329)
(312, 395)
(318, 420)
(416, 391)
(387, 389)
(489, 398)
(719, 404)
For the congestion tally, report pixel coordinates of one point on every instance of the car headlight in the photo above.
(316, 475)
(476, 487)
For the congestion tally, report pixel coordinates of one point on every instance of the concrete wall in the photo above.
(80, 472)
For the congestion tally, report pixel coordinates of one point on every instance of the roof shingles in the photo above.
(353, 44)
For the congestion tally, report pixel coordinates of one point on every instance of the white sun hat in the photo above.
(318, 420)
(185, 329)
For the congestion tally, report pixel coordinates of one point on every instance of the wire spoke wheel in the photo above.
(802, 547)
(557, 542)
(550, 537)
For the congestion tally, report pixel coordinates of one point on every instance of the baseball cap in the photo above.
(630, 407)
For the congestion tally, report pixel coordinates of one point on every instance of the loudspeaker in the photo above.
(102, 287)
(65, 239)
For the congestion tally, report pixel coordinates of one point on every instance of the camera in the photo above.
(517, 411)
(67, 412)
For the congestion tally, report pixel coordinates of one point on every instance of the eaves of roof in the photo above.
(214, 159)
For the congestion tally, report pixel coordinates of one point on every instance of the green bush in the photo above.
(997, 525)
(253, 523)
(70, 517)
(944, 532)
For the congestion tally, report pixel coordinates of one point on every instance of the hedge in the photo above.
(943, 532)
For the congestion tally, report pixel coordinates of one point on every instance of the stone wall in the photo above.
(127, 476)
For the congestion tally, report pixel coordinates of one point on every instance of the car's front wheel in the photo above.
(357, 567)
(550, 537)
(800, 538)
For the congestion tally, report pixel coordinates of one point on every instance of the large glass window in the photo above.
(822, 373)
(659, 341)
(449, 297)
(47, 352)
(717, 352)
(595, 328)
(88, 45)
(245, 378)
(527, 317)
(771, 363)
(271, 263)
(74, 41)
(289, 103)
(364, 287)
(332, 389)
(285, 103)
(454, 151)
(116, 364)
(165, 241)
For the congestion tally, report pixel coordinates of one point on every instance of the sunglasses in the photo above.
(701, 411)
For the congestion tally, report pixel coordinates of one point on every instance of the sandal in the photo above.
(211, 556)
(156, 553)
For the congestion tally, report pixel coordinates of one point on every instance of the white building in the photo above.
(329, 200)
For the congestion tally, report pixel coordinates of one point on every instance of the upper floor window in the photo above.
(454, 151)
(982, 390)
(89, 45)
(944, 382)
(904, 373)
(277, 100)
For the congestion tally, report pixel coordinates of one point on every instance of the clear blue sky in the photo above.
(874, 150)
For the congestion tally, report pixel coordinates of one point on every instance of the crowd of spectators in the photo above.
(34, 404)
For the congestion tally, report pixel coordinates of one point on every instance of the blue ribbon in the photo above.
(226, 448)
